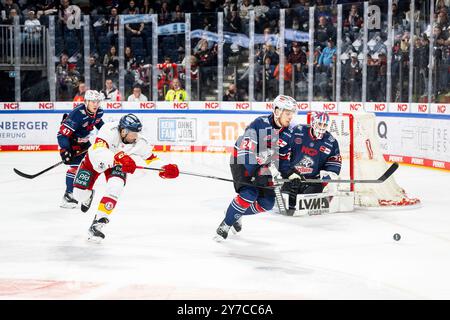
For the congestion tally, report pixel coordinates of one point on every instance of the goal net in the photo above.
(362, 158)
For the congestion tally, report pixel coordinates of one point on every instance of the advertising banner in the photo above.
(419, 140)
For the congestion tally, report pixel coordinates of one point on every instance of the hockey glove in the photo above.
(66, 156)
(124, 160)
(169, 171)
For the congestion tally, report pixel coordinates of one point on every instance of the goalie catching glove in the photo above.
(169, 171)
(125, 161)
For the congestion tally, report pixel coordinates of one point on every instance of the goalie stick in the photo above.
(381, 179)
(32, 176)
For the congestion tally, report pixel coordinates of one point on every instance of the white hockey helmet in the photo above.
(93, 95)
(283, 102)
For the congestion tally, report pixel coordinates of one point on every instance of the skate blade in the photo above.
(93, 239)
(218, 238)
(68, 205)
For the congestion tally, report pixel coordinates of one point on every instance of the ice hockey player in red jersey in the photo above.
(119, 147)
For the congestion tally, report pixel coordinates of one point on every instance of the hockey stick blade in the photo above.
(32, 176)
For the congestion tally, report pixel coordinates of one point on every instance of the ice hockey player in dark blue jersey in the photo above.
(315, 154)
(261, 153)
(73, 138)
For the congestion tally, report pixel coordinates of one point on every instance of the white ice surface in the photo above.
(159, 242)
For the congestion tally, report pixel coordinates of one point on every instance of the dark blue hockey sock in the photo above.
(70, 177)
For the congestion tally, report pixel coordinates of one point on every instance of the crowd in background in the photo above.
(104, 59)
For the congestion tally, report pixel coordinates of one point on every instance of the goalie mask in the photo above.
(319, 124)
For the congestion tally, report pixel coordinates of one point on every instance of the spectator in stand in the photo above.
(111, 93)
(227, 7)
(261, 12)
(169, 71)
(32, 29)
(10, 5)
(323, 32)
(269, 78)
(296, 55)
(79, 96)
(147, 8)
(267, 51)
(164, 14)
(177, 93)
(113, 27)
(135, 30)
(178, 15)
(233, 22)
(131, 7)
(244, 10)
(232, 94)
(397, 15)
(130, 59)
(354, 20)
(137, 95)
(46, 7)
(327, 56)
(111, 63)
(142, 75)
(353, 76)
(10, 17)
(96, 73)
(67, 78)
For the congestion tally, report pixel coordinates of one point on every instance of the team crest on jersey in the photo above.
(109, 206)
(305, 165)
(298, 140)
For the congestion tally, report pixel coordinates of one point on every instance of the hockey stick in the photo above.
(32, 176)
(381, 179)
(209, 177)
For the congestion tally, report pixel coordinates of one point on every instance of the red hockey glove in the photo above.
(170, 171)
(127, 163)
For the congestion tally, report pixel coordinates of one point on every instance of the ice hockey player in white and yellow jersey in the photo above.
(117, 148)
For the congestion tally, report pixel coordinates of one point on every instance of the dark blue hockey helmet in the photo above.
(130, 122)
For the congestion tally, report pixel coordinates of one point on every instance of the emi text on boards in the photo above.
(226, 309)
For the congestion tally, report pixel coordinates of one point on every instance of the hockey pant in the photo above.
(249, 200)
(73, 166)
(84, 184)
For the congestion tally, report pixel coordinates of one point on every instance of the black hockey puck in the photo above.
(396, 237)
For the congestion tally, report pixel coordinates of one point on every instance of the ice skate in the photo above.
(222, 232)
(237, 226)
(87, 204)
(95, 234)
(68, 201)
